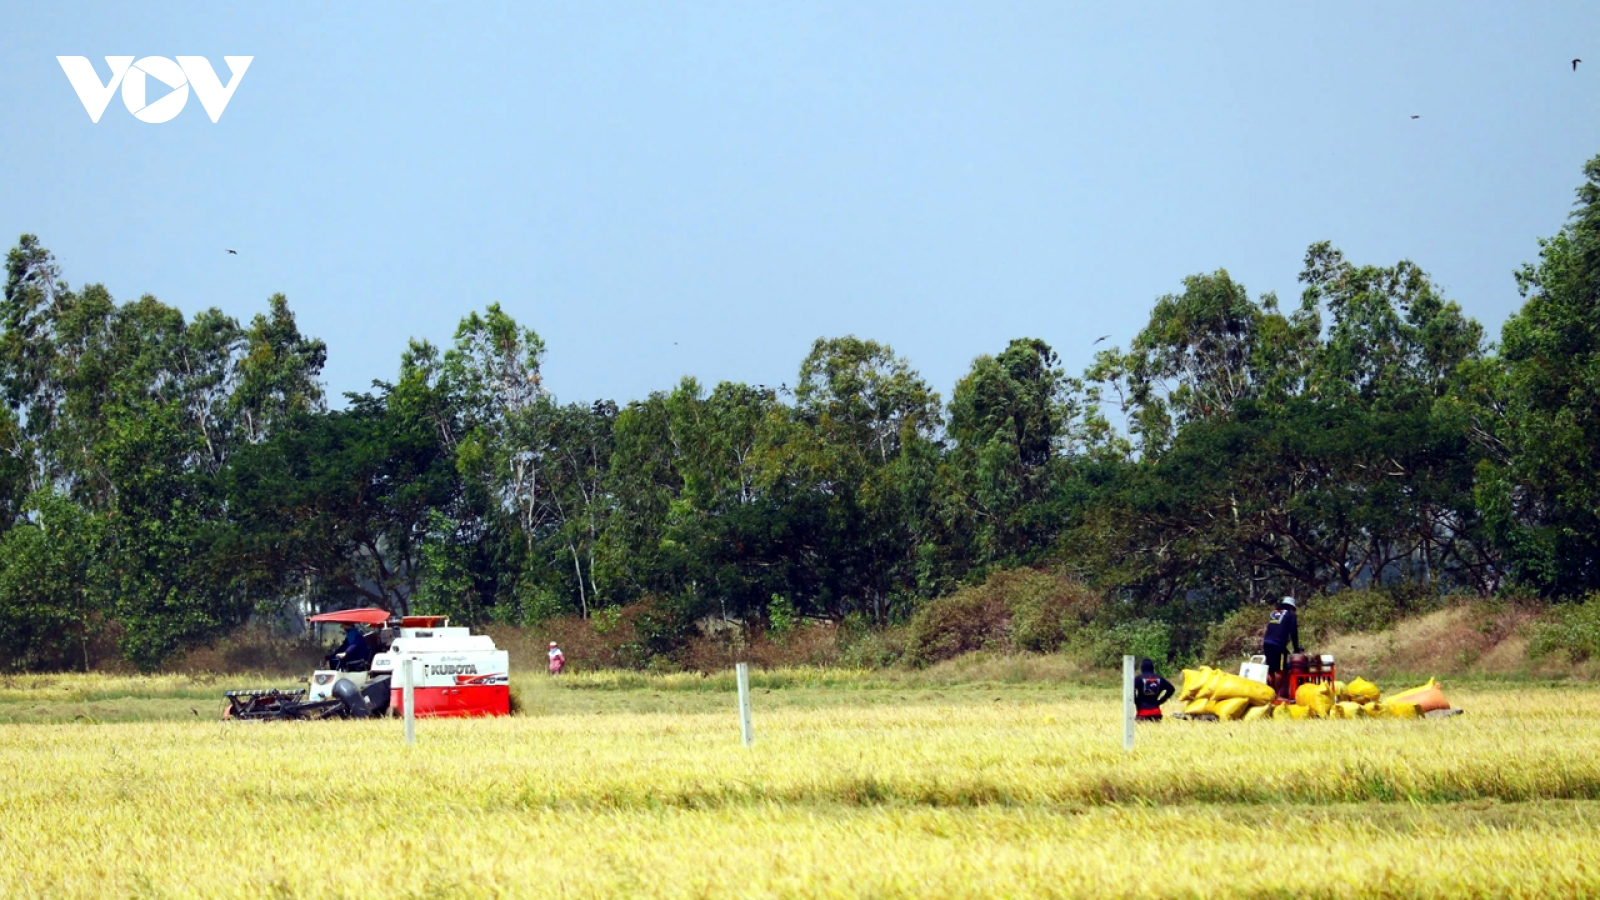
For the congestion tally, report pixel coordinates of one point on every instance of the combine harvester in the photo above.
(455, 672)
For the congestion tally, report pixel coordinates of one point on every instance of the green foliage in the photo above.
(1362, 447)
(133, 413)
(1538, 412)
(781, 615)
(1354, 611)
(1142, 638)
(531, 604)
(1236, 637)
(1570, 629)
(50, 573)
(607, 620)
(445, 586)
(874, 648)
(1013, 418)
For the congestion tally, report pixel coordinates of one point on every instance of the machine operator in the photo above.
(1283, 632)
(352, 652)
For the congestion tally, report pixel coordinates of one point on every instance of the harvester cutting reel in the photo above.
(345, 701)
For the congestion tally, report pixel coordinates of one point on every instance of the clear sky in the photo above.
(702, 188)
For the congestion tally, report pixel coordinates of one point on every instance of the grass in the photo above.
(860, 784)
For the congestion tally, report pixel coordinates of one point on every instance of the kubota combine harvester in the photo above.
(453, 673)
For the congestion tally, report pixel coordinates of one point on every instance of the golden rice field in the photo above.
(857, 787)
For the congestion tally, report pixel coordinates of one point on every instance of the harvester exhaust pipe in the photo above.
(355, 702)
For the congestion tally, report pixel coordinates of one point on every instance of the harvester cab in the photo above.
(355, 671)
(454, 672)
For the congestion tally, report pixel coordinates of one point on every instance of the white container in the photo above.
(1255, 669)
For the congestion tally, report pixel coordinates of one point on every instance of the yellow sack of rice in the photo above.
(1339, 691)
(1361, 691)
(1428, 697)
(1400, 710)
(1316, 698)
(1192, 679)
(1258, 712)
(1373, 708)
(1296, 711)
(1228, 687)
(1232, 708)
(1207, 686)
(1196, 707)
(1347, 709)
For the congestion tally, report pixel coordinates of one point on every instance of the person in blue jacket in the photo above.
(1283, 632)
(352, 651)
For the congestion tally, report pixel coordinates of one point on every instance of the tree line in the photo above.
(165, 478)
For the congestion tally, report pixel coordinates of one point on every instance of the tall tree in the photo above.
(1541, 494)
(1012, 420)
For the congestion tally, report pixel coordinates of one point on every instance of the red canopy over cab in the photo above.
(367, 616)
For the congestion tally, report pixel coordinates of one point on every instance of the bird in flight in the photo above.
(1100, 338)
(234, 252)
(1575, 64)
(1416, 117)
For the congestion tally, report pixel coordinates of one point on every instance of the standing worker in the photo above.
(557, 659)
(1283, 632)
(1150, 691)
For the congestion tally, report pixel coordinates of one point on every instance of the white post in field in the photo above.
(408, 695)
(1127, 703)
(746, 731)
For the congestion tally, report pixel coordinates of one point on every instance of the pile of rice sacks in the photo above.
(1208, 691)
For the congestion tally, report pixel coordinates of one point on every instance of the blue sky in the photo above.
(670, 189)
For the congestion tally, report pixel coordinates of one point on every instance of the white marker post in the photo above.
(408, 695)
(1127, 703)
(746, 730)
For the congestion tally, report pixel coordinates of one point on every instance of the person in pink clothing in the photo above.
(557, 659)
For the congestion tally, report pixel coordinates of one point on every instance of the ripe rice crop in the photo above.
(976, 792)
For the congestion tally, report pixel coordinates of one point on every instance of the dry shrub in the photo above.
(585, 648)
(810, 644)
(968, 620)
(252, 649)
(637, 636)
(1018, 609)
(1047, 608)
